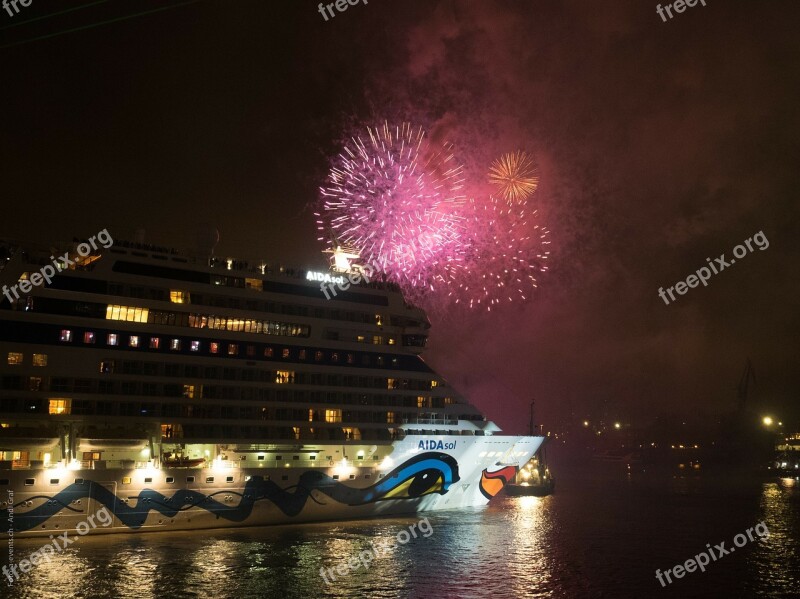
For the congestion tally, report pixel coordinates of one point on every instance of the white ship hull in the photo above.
(420, 474)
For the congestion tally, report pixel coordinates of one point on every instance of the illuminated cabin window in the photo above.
(233, 349)
(379, 320)
(392, 340)
(134, 341)
(352, 434)
(318, 356)
(285, 354)
(256, 284)
(112, 339)
(34, 383)
(155, 342)
(449, 401)
(335, 357)
(179, 297)
(195, 346)
(127, 313)
(188, 391)
(60, 406)
(421, 402)
(377, 340)
(434, 384)
(175, 344)
(213, 347)
(391, 384)
(88, 337)
(107, 367)
(198, 321)
(66, 335)
(126, 480)
(333, 415)
(169, 431)
(15, 358)
(311, 415)
(361, 338)
(269, 352)
(390, 417)
(283, 377)
(267, 327)
(296, 431)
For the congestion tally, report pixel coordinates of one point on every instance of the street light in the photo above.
(767, 421)
(617, 425)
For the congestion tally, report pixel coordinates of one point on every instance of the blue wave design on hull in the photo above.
(428, 473)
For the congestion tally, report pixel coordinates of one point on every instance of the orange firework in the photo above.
(516, 175)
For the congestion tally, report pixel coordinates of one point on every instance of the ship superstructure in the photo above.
(184, 392)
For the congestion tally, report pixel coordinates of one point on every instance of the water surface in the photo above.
(603, 534)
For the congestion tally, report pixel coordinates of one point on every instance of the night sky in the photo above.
(660, 144)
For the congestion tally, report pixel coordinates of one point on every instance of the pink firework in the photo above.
(395, 198)
(507, 249)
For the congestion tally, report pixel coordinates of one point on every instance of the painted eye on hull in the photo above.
(424, 474)
(422, 483)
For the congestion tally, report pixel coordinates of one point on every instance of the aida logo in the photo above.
(323, 277)
(433, 444)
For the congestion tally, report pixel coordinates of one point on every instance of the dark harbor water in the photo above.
(603, 534)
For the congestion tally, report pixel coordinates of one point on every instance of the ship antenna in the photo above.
(530, 426)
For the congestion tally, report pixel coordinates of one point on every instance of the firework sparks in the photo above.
(516, 175)
(395, 200)
(395, 197)
(506, 251)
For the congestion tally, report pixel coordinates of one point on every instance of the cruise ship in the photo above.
(181, 391)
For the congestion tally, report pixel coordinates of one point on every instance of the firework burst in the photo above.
(516, 175)
(506, 250)
(395, 198)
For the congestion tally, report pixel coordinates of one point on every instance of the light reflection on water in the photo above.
(599, 536)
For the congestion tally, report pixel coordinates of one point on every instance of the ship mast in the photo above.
(530, 425)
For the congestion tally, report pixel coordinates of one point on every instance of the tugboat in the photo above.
(533, 479)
